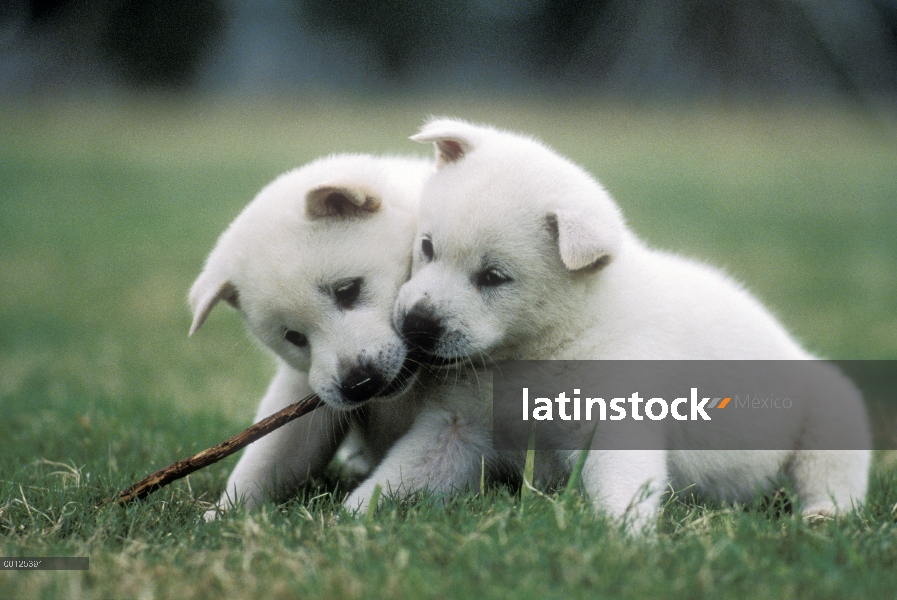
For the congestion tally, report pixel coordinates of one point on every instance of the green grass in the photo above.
(107, 211)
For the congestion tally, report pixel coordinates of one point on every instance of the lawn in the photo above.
(108, 208)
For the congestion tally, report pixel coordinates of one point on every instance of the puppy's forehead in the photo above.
(484, 210)
(357, 249)
(291, 255)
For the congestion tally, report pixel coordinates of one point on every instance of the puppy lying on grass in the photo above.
(522, 255)
(313, 265)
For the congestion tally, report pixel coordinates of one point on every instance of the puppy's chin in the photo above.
(451, 356)
(397, 387)
(405, 379)
(335, 401)
(440, 362)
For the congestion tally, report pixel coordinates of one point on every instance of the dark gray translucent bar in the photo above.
(45, 563)
(773, 405)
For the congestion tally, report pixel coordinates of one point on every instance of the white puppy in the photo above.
(522, 255)
(313, 265)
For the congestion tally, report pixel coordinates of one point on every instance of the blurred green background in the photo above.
(108, 209)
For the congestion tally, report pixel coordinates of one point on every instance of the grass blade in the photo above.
(530, 465)
(372, 506)
(576, 475)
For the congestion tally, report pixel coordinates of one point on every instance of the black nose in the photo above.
(361, 383)
(421, 328)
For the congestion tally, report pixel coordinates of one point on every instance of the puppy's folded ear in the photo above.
(586, 239)
(340, 201)
(206, 292)
(453, 139)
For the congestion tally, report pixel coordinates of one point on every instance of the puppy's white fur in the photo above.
(288, 263)
(523, 255)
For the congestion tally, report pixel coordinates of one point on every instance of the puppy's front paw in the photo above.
(362, 498)
(820, 513)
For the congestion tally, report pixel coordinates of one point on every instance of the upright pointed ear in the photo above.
(586, 239)
(206, 292)
(340, 201)
(453, 139)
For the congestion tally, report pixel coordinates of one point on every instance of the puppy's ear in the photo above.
(453, 139)
(586, 240)
(340, 201)
(207, 291)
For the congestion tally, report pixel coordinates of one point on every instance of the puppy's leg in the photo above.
(353, 455)
(287, 457)
(626, 483)
(442, 452)
(830, 481)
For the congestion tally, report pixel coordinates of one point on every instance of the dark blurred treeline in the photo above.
(653, 48)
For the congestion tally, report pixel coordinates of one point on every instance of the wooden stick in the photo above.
(184, 467)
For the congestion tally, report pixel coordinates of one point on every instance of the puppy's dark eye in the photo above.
(346, 293)
(426, 248)
(491, 278)
(296, 338)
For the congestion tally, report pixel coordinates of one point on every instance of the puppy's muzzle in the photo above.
(421, 327)
(360, 383)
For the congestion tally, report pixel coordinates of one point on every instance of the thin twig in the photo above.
(184, 467)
